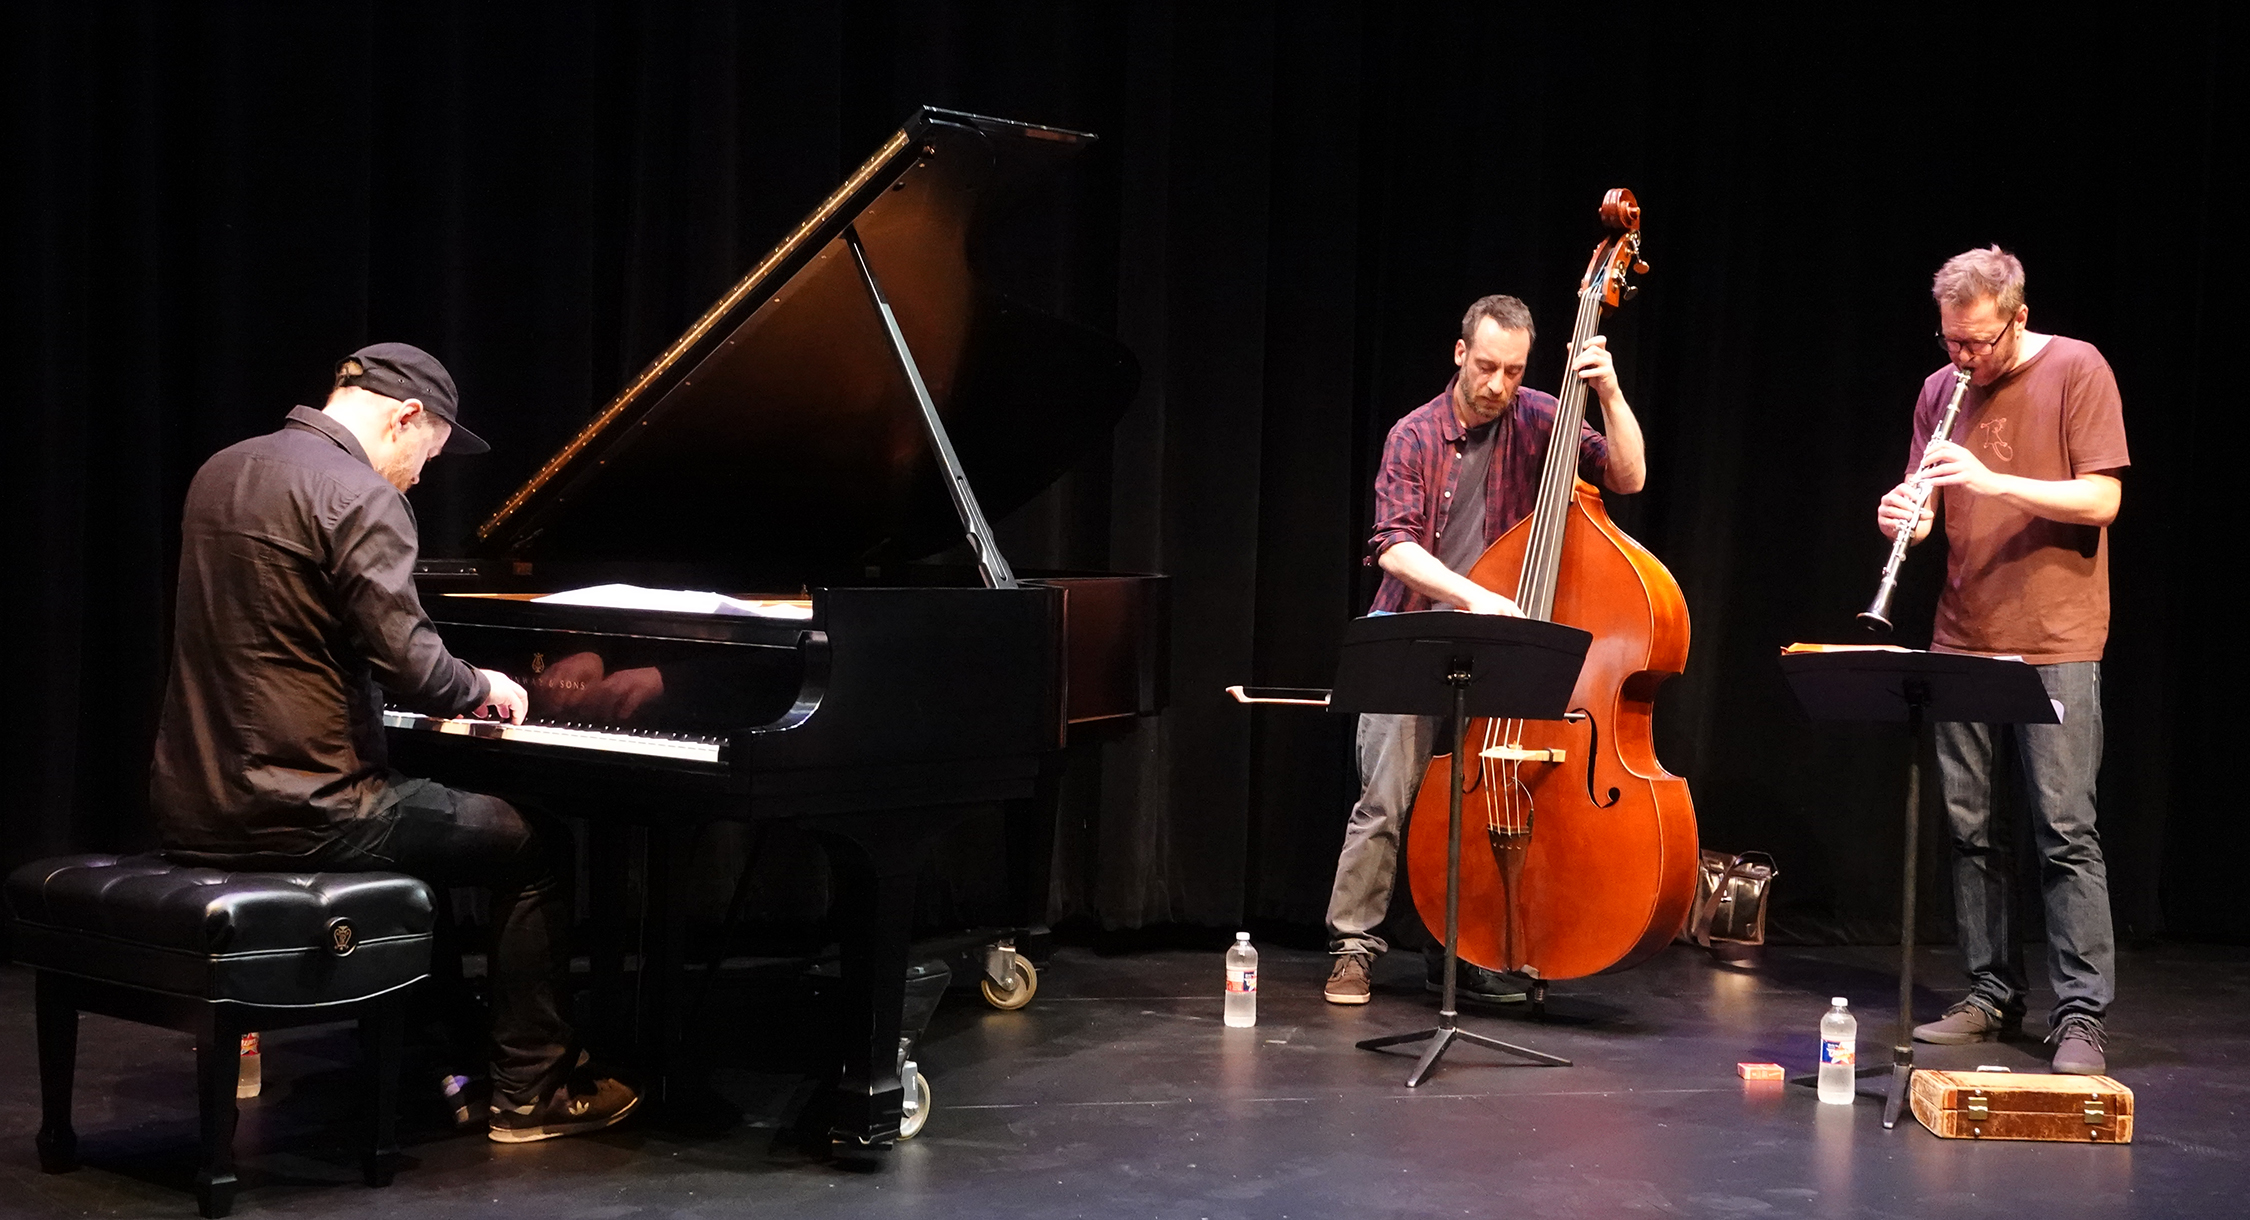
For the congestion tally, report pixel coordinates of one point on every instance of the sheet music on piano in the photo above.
(679, 601)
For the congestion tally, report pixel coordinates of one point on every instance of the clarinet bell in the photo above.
(1877, 616)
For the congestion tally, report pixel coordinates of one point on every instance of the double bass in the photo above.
(1592, 846)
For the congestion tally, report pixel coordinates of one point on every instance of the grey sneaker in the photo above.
(1966, 1022)
(1347, 983)
(581, 1104)
(2078, 1041)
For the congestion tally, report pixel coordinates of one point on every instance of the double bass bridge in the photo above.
(1518, 754)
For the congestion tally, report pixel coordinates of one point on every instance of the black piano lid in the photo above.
(778, 434)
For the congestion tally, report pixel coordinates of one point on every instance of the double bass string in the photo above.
(1508, 810)
(1536, 586)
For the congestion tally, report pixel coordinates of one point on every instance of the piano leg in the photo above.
(1031, 848)
(873, 862)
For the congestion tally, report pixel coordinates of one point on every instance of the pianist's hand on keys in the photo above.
(505, 700)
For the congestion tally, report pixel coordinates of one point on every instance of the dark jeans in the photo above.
(451, 838)
(2054, 766)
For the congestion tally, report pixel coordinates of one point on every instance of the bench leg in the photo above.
(381, 1037)
(218, 1066)
(58, 1069)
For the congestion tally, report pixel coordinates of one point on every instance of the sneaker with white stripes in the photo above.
(581, 1104)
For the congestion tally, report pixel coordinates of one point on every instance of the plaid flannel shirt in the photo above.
(1414, 487)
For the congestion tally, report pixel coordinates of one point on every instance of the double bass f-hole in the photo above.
(1593, 750)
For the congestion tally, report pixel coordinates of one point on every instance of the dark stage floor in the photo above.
(1119, 1093)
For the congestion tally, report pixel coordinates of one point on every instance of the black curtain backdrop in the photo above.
(205, 205)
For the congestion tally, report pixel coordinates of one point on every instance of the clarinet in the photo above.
(1877, 616)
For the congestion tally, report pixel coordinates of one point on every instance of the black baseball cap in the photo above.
(403, 371)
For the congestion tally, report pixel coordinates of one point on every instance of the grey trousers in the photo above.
(1394, 752)
(2055, 767)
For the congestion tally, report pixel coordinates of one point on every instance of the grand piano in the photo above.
(799, 452)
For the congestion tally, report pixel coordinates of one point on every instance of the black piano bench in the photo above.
(217, 955)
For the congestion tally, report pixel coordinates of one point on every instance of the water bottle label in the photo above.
(1839, 1050)
(1241, 980)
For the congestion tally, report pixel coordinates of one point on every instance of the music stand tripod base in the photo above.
(1441, 1038)
(1442, 1035)
(1457, 656)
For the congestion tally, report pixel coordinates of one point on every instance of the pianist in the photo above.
(296, 602)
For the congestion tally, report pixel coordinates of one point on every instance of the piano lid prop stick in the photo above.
(990, 562)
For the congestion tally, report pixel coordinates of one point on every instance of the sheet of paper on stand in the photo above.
(1797, 648)
(681, 601)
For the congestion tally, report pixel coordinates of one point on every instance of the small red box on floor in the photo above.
(1758, 1071)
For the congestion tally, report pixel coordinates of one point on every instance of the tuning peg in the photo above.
(1639, 267)
(1631, 291)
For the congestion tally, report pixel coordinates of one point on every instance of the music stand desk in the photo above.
(1918, 689)
(1448, 662)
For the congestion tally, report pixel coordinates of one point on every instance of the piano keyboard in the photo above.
(575, 737)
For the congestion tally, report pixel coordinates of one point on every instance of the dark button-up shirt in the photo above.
(1415, 486)
(296, 598)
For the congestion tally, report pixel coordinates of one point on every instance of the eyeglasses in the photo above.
(1974, 348)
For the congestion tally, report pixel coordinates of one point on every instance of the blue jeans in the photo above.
(2055, 766)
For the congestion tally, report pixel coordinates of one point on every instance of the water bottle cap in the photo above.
(1244, 937)
(1839, 1001)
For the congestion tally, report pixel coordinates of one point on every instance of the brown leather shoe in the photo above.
(1964, 1023)
(1347, 983)
(2078, 1042)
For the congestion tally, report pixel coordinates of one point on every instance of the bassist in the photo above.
(1457, 472)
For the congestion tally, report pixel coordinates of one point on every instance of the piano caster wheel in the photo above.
(917, 1116)
(1023, 983)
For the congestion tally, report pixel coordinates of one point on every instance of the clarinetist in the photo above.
(2027, 485)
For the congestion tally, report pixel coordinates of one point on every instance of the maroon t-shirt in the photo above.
(2017, 584)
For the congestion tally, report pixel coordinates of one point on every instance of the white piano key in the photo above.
(575, 737)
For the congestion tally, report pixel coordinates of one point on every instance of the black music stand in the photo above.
(1919, 688)
(1447, 662)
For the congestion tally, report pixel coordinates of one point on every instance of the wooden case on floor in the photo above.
(2025, 1106)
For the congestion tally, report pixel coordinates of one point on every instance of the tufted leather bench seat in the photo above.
(217, 954)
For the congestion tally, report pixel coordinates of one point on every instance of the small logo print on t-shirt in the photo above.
(1990, 440)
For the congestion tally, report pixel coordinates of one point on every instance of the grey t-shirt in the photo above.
(1461, 543)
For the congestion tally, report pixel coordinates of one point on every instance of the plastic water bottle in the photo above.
(1242, 982)
(1839, 1054)
(251, 1077)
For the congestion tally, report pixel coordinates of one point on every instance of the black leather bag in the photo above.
(1730, 899)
